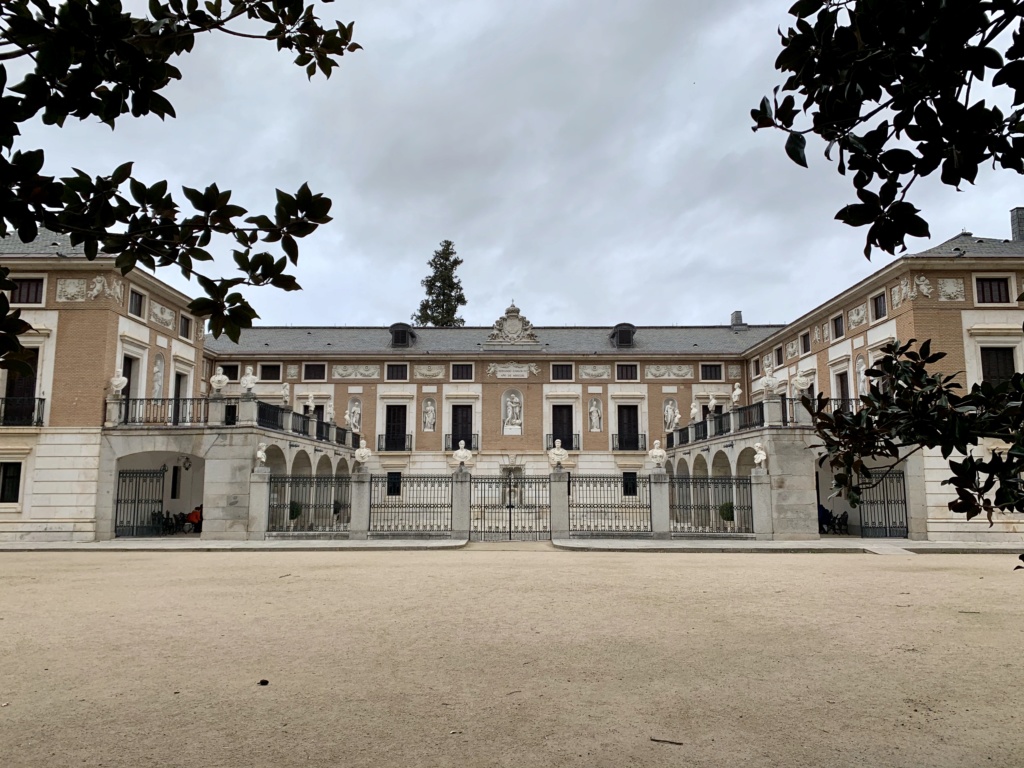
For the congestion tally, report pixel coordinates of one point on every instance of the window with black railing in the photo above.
(323, 430)
(570, 442)
(750, 416)
(723, 423)
(300, 423)
(682, 436)
(393, 442)
(341, 436)
(700, 430)
(629, 442)
(22, 411)
(451, 441)
(165, 411)
(270, 416)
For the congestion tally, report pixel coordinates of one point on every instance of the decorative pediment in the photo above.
(512, 328)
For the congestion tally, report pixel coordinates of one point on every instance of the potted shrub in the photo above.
(726, 511)
(294, 512)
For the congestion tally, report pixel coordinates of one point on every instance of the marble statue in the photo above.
(158, 377)
(310, 402)
(694, 410)
(657, 454)
(118, 382)
(769, 382)
(513, 411)
(248, 380)
(363, 453)
(429, 415)
(760, 457)
(712, 403)
(354, 415)
(285, 392)
(802, 381)
(463, 454)
(736, 394)
(558, 454)
(218, 381)
(671, 415)
(862, 376)
(329, 411)
(595, 414)
(261, 455)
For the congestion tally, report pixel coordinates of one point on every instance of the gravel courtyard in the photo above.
(509, 657)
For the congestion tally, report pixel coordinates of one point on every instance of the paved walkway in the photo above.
(831, 544)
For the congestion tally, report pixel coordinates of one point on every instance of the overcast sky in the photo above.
(592, 160)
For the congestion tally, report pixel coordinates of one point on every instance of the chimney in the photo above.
(1017, 224)
(736, 319)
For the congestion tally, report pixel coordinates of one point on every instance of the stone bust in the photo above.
(760, 456)
(657, 454)
(462, 455)
(736, 394)
(248, 380)
(118, 382)
(261, 455)
(218, 381)
(558, 454)
(363, 453)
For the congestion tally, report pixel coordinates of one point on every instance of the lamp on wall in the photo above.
(292, 445)
(728, 445)
(186, 462)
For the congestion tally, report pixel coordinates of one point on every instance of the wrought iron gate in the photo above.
(510, 508)
(310, 505)
(610, 505)
(717, 506)
(410, 506)
(139, 508)
(883, 507)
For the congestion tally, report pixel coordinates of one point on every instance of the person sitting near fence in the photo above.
(196, 518)
(824, 519)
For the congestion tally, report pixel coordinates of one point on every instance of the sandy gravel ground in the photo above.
(510, 658)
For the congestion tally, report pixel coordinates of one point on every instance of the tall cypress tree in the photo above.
(444, 291)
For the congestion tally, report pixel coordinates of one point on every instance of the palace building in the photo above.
(132, 418)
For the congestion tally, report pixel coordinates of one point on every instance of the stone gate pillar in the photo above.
(359, 524)
(461, 498)
(559, 504)
(660, 525)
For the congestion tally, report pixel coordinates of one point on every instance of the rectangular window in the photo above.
(314, 372)
(397, 372)
(136, 304)
(629, 484)
(399, 337)
(270, 372)
(627, 372)
(231, 371)
(175, 482)
(878, 308)
(462, 372)
(710, 372)
(993, 290)
(838, 329)
(805, 343)
(185, 327)
(394, 484)
(10, 482)
(561, 372)
(778, 356)
(757, 366)
(996, 364)
(842, 386)
(29, 291)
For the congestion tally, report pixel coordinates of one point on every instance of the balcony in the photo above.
(451, 442)
(723, 423)
(21, 411)
(749, 416)
(634, 442)
(569, 442)
(389, 443)
(164, 411)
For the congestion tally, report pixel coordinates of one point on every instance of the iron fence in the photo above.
(682, 436)
(138, 509)
(341, 436)
(510, 507)
(270, 416)
(710, 505)
(569, 442)
(318, 505)
(723, 423)
(300, 423)
(700, 430)
(883, 506)
(609, 505)
(451, 442)
(394, 442)
(165, 411)
(22, 411)
(750, 416)
(403, 506)
(632, 442)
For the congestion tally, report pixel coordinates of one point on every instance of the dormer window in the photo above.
(402, 335)
(622, 335)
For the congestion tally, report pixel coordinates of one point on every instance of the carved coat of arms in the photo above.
(512, 328)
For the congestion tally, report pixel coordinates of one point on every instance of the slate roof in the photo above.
(701, 341)
(966, 244)
(47, 243)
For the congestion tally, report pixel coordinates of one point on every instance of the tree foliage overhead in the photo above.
(900, 89)
(92, 60)
(444, 291)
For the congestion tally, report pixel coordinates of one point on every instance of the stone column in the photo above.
(761, 503)
(359, 524)
(773, 412)
(113, 415)
(559, 504)
(247, 410)
(311, 425)
(660, 525)
(712, 425)
(259, 503)
(734, 420)
(917, 497)
(218, 406)
(461, 490)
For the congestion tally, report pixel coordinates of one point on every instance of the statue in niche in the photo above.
(248, 380)
(671, 415)
(595, 414)
(429, 415)
(158, 377)
(512, 419)
(354, 415)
